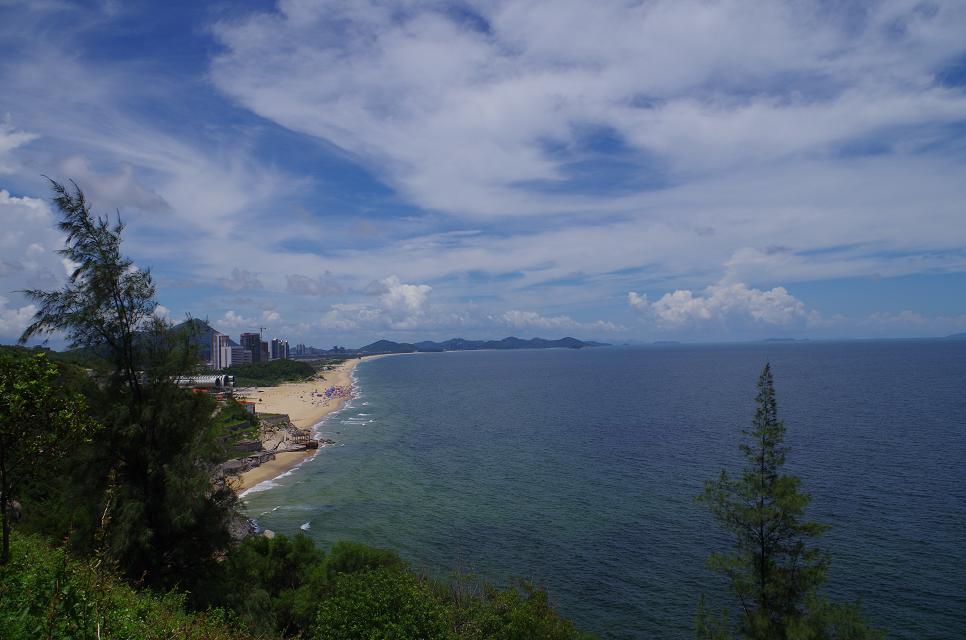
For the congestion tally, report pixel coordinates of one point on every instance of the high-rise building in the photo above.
(279, 349)
(252, 342)
(263, 352)
(220, 351)
(240, 355)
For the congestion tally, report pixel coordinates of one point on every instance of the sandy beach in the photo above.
(304, 409)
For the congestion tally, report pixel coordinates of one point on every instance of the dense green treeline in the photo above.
(271, 373)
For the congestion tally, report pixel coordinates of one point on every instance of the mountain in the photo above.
(387, 346)
(462, 344)
(957, 336)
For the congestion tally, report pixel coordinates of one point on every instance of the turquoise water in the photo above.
(577, 469)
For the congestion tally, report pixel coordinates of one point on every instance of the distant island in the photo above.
(461, 344)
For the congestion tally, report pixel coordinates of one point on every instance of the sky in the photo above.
(338, 172)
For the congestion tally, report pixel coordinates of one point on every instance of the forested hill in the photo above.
(461, 344)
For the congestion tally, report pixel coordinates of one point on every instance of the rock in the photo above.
(268, 533)
(311, 444)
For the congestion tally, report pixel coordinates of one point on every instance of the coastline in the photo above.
(304, 410)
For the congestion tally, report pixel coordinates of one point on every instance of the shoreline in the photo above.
(305, 412)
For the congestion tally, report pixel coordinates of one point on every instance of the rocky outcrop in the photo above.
(241, 465)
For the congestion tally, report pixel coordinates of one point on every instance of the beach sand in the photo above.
(304, 409)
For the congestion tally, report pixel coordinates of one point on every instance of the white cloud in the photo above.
(460, 118)
(29, 242)
(10, 139)
(271, 316)
(232, 320)
(14, 320)
(161, 311)
(399, 306)
(406, 300)
(121, 190)
(721, 302)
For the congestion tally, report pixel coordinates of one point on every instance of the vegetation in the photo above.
(288, 586)
(46, 594)
(141, 492)
(773, 572)
(271, 373)
(39, 422)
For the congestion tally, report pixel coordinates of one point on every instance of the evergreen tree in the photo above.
(773, 570)
(150, 493)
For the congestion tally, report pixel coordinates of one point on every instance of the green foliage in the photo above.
(271, 373)
(289, 586)
(39, 423)
(275, 585)
(382, 603)
(772, 571)
(106, 299)
(521, 611)
(351, 557)
(45, 594)
(143, 491)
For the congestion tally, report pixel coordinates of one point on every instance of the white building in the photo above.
(220, 351)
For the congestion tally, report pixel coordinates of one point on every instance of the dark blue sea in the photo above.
(577, 469)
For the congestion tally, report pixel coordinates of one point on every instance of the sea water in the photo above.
(577, 469)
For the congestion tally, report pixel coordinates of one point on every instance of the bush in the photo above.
(45, 594)
(382, 603)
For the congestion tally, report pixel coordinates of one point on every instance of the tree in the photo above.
(106, 299)
(39, 422)
(773, 571)
(159, 514)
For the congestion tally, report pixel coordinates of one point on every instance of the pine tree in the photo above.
(159, 515)
(773, 570)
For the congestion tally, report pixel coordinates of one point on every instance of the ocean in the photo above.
(577, 469)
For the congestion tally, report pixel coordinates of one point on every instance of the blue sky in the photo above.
(343, 171)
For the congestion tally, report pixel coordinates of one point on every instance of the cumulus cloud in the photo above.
(13, 320)
(270, 315)
(401, 299)
(28, 245)
(232, 320)
(399, 305)
(721, 302)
